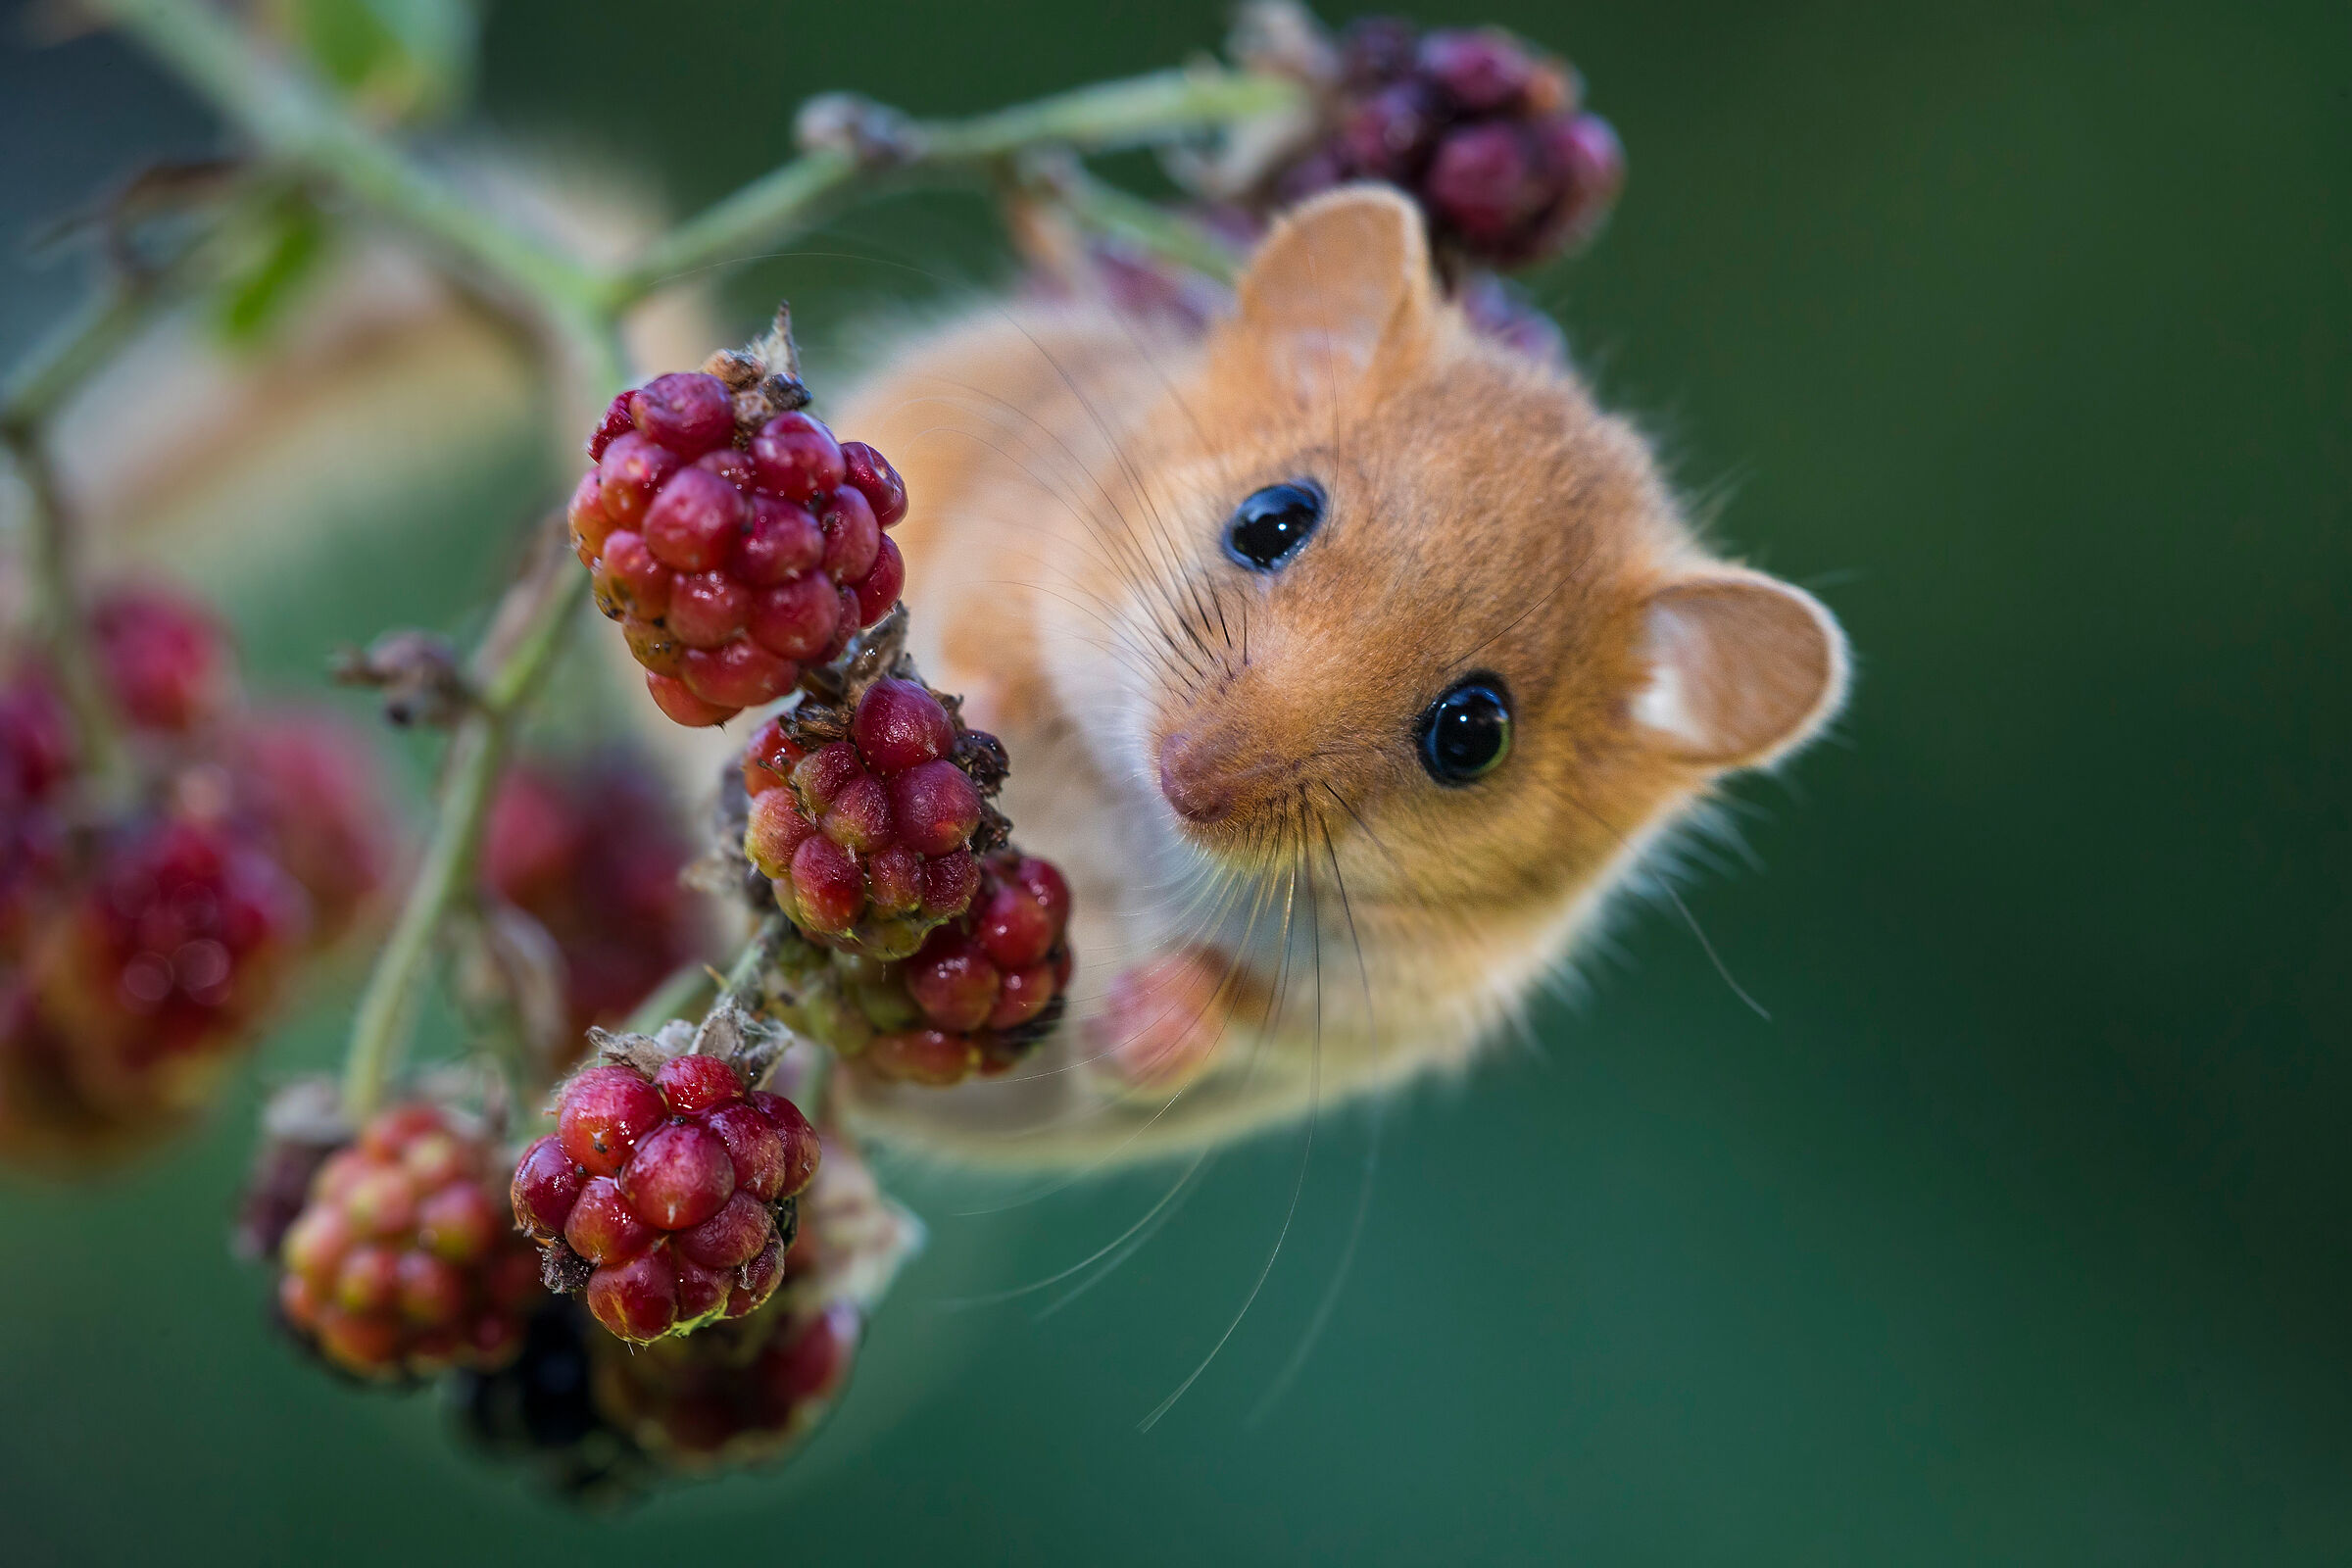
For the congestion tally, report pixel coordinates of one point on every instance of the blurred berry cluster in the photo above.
(152, 911)
(1489, 137)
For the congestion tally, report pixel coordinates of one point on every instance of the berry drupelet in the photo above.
(733, 553)
(1486, 134)
(402, 1263)
(666, 1196)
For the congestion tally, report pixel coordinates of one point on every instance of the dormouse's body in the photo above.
(1346, 659)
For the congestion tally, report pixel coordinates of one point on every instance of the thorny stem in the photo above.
(1112, 115)
(1109, 210)
(683, 993)
(524, 636)
(33, 391)
(49, 539)
(299, 121)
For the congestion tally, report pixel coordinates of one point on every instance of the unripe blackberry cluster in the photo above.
(589, 848)
(866, 829)
(145, 932)
(1489, 136)
(403, 1263)
(981, 992)
(666, 1196)
(605, 1419)
(735, 545)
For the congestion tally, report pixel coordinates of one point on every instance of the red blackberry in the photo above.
(982, 990)
(168, 959)
(867, 837)
(165, 658)
(402, 1263)
(734, 544)
(1486, 134)
(590, 848)
(666, 1196)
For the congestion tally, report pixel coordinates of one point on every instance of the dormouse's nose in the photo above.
(1200, 774)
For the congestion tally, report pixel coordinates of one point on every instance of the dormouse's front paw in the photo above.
(1164, 1021)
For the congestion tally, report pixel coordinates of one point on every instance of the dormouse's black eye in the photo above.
(1268, 528)
(1467, 732)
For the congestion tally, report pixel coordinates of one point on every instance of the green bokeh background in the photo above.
(2022, 332)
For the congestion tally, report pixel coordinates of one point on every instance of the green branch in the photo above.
(1099, 118)
(297, 119)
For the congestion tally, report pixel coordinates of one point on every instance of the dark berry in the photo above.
(1482, 73)
(1487, 135)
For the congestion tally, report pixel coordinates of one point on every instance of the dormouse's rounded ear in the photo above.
(1742, 669)
(1342, 283)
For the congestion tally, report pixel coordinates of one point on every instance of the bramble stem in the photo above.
(683, 993)
(50, 557)
(297, 119)
(1107, 209)
(1109, 116)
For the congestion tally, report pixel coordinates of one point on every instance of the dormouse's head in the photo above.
(1422, 618)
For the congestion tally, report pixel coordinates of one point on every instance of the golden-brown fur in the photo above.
(1332, 921)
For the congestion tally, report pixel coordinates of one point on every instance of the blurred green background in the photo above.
(2022, 1233)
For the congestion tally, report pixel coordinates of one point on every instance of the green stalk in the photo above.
(298, 120)
(1098, 118)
